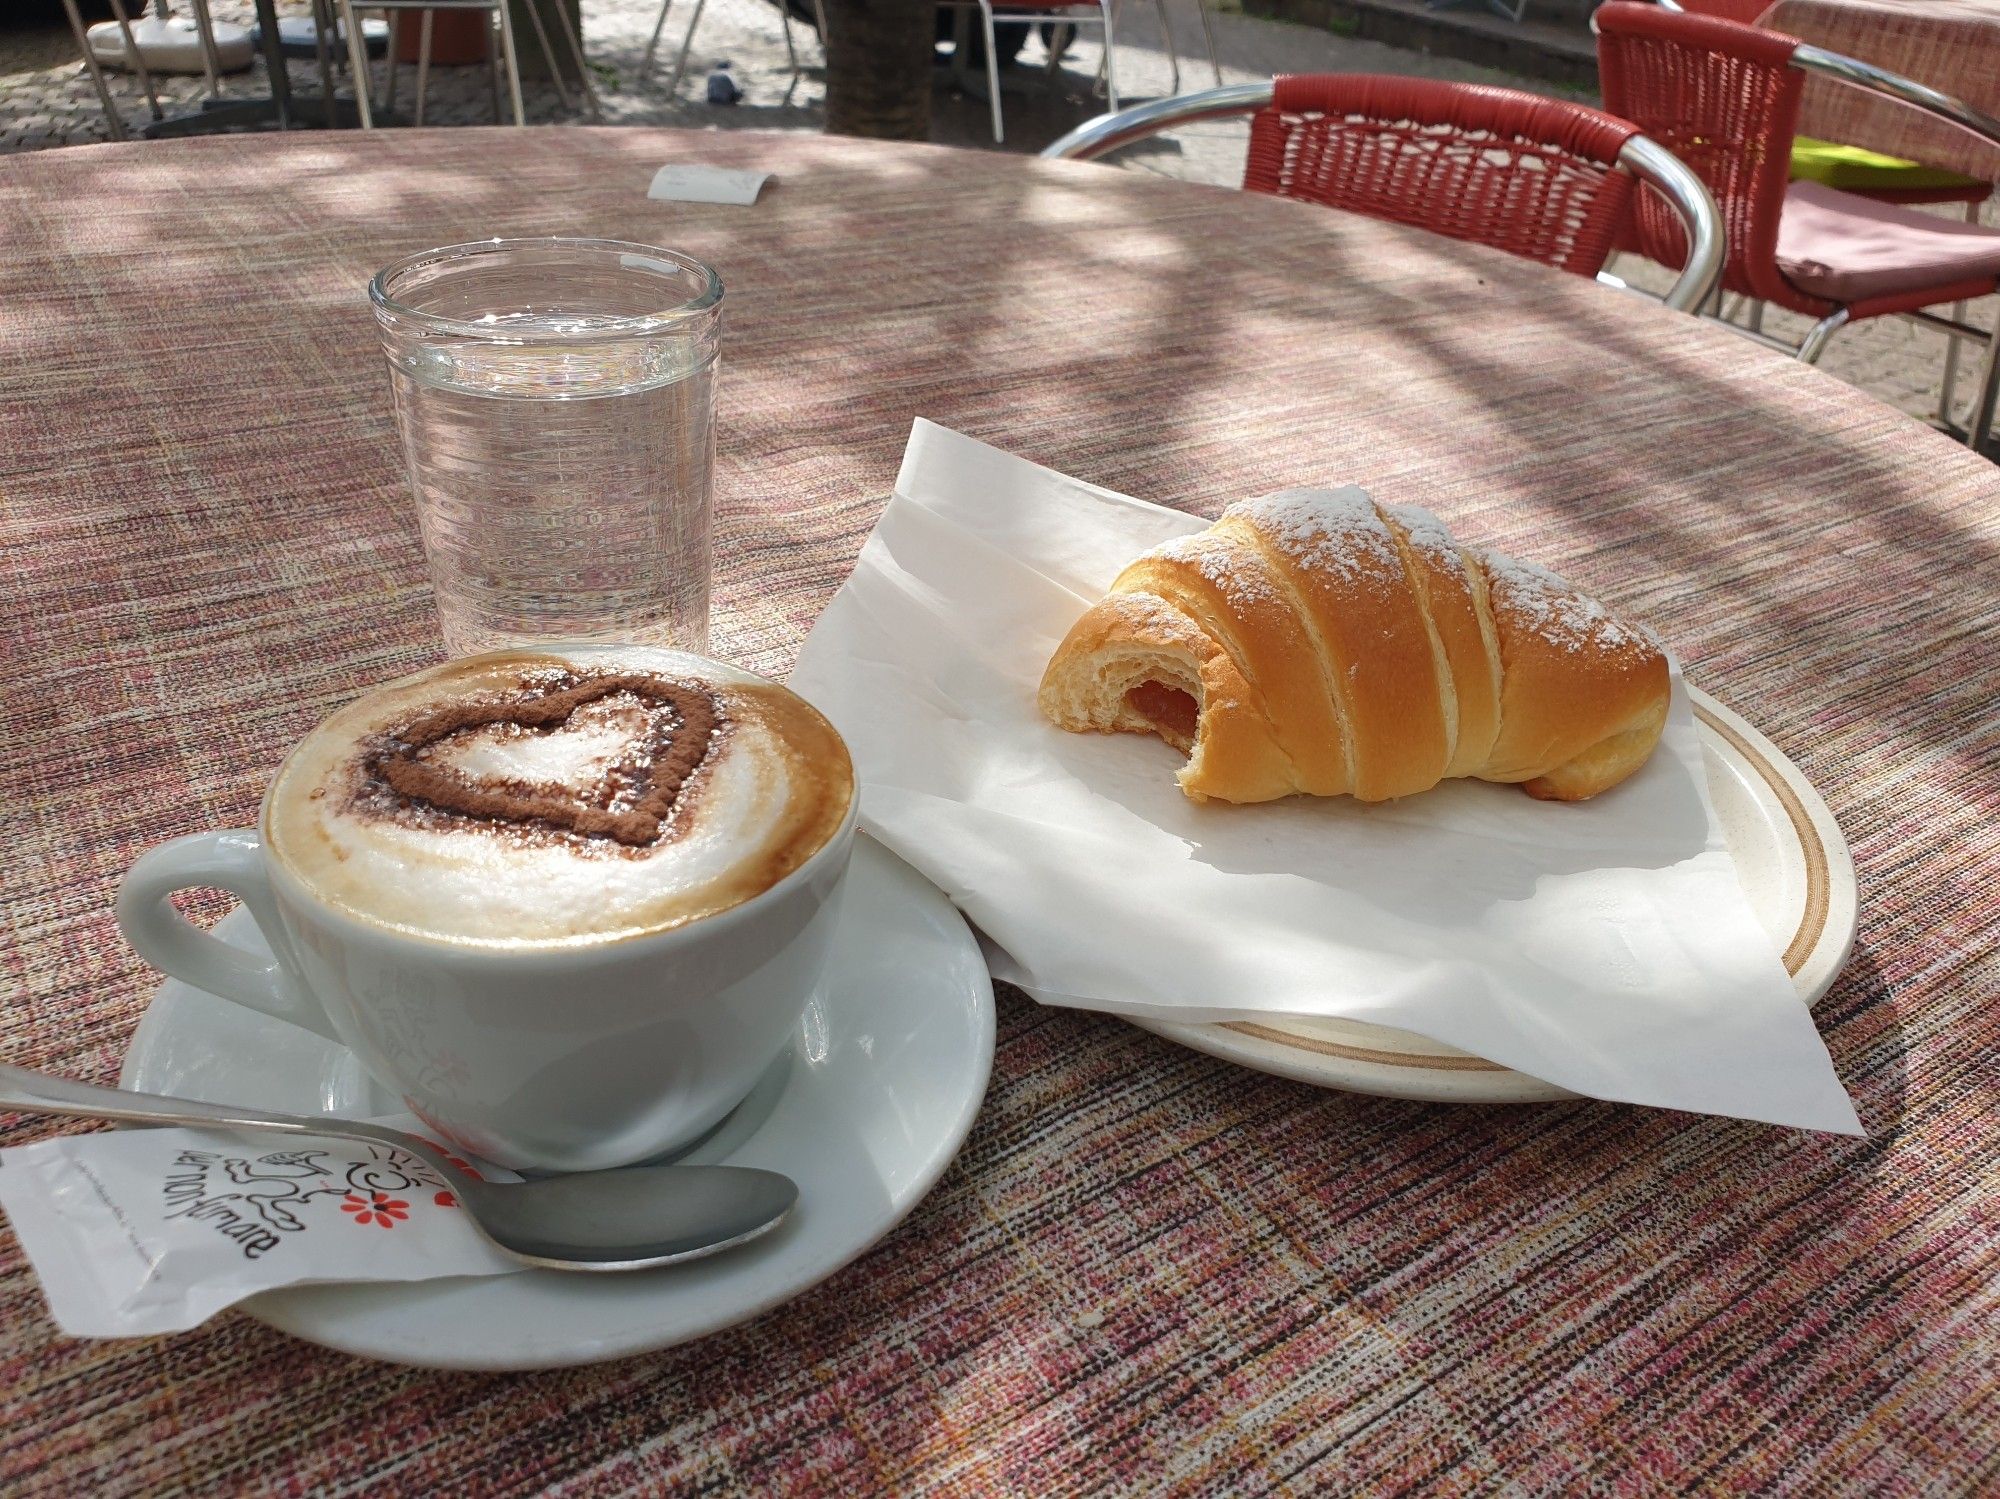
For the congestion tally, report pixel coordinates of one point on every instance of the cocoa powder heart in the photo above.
(663, 773)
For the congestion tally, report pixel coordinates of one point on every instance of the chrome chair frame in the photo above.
(497, 8)
(687, 41)
(1866, 76)
(1642, 158)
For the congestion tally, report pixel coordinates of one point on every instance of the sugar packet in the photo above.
(142, 1231)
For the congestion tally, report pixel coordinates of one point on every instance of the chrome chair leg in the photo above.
(493, 71)
(113, 120)
(653, 46)
(1818, 336)
(681, 62)
(513, 63)
(571, 36)
(1979, 421)
(819, 16)
(1948, 386)
(423, 61)
(548, 52)
(1173, 55)
(135, 60)
(791, 49)
(1110, 71)
(357, 61)
(390, 58)
(204, 33)
(992, 69)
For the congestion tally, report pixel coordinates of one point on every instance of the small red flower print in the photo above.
(377, 1207)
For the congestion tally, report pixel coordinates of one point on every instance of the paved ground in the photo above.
(45, 100)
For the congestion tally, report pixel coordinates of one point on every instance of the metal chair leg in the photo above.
(135, 60)
(391, 58)
(204, 32)
(1173, 54)
(322, 15)
(1818, 336)
(513, 64)
(791, 51)
(653, 46)
(1110, 70)
(113, 120)
(357, 62)
(1948, 387)
(493, 70)
(423, 60)
(681, 62)
(583, 67)
(992, 70)
(548, 52)
(1979, 421)
(1208, 40)
(819, 18)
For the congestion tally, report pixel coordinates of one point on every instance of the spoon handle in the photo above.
(33, 1092)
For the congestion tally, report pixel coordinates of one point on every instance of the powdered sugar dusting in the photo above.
(1334, 531)
(1427, 535)
(1156, 614)
(1553, 607)
(1221, 562)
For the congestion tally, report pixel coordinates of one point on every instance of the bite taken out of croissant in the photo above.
(1314, 641)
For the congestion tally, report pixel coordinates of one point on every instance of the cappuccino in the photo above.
(571, 795)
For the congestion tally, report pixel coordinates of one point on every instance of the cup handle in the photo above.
(234, 861)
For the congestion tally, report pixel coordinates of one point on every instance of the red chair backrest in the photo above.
(1724, 98)
(1522, 173)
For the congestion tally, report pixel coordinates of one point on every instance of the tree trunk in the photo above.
(878, 65)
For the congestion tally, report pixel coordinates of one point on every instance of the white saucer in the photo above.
(1796, 873)
(864, 1113)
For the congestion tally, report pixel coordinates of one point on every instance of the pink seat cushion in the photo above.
(1847, 248)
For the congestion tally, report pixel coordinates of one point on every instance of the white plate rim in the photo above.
(1818, 950)
(299, 1312)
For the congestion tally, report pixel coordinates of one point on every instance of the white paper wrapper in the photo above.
(1605, 946)
(145, 1231)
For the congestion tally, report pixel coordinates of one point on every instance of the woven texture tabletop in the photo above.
(1951, 45)
(1149, 1270)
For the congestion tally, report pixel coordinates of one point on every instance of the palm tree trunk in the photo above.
(878, 65)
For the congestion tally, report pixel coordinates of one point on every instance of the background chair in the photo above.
(1725, 98)
(498, 9)
(1544, 178)
(1850, 168)
(687, 41)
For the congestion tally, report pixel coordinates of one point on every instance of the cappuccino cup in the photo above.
(567, 903)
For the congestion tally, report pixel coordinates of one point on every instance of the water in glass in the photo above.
(562, 468)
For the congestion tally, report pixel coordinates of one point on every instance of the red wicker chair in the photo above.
(1546, 179)
(1725, 98)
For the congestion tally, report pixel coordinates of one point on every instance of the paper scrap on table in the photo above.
(1604, 946)
(143, 1231)
(699, 184)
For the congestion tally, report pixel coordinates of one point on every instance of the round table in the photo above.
(1147, 1266)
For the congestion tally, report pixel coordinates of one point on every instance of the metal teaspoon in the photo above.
(630, 1218)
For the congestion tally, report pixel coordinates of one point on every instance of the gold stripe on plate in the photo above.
(1812, 925)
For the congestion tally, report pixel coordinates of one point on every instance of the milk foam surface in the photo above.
(774, 788)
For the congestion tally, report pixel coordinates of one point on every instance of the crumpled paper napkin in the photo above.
(1605, 946)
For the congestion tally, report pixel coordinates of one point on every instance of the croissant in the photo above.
(1314, 641)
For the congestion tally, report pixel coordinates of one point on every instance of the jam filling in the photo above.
(1170, 710)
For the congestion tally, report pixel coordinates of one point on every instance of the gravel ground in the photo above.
(46, 100)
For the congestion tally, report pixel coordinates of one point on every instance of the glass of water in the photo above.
(556, 400)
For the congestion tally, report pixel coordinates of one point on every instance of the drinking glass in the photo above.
(556, 401)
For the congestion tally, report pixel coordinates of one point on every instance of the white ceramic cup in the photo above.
(569, 1058)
